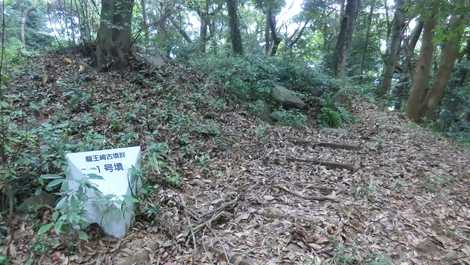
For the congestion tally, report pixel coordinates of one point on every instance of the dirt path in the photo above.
(406, 201)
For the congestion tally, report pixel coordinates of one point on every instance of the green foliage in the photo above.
(333, 114)
(251, 78)
(261, 132)
(3, 260)
(330, 118)
(349, 256)
(290, 118)
(156, 166)
(453, 118)
(69, 211)
(436, 184)
(207, 127)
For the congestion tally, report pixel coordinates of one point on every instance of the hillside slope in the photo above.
(382, 190)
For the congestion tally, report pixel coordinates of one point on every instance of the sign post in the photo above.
(110, 205)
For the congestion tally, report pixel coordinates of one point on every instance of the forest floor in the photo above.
(254, 193)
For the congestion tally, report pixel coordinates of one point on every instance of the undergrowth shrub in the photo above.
(333, 114)
(251, 78)
(292, 118)
(453, 118)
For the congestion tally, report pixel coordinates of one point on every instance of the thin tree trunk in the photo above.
(145, 25)
(387, 20)
(423, 69)
(297, 35)
(449, 55)
(393, 49)
(181, 30)
(267, 34)
(411, 45)
(203, 33)
(343, 44)
(234, 22)
(407, 74)
(272, 28)
(366, 45)
(341, 9)
(464, 72)
(24, 20)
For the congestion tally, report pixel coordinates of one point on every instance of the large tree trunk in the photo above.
(393, 49)
(234, 21)
(114, 36)
(449, 55)
(422, 70)
(343, 44)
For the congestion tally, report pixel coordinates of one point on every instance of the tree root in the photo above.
(332, 165)
(326, 144)
(310, 198)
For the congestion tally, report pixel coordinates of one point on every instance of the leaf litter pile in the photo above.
(242, 191)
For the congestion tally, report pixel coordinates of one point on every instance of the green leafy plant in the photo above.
(156, 165)
(208, 127)
(290, 118)
(330, 118)
(68, 215)
(333, 114)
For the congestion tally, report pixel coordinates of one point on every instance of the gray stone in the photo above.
(287, 98)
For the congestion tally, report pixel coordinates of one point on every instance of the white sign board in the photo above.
(111, 207)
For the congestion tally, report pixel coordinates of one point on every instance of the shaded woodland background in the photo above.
(411, 54)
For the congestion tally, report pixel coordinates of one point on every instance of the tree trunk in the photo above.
(343, 44)
(295, 37)
(204, 20)
(145, 25)
(181, 30)
(24, 20)
(271, 18)
(366, 45)
(464, 71)
(407, 74)
(449, 55)
(393, 49)
(267, 35)
(423, 69)
(114, 36)
(235, 35)
(387, 20)
(203, 33)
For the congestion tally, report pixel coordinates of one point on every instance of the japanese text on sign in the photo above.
(104, 157)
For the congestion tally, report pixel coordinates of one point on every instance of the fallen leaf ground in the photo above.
(246, 196)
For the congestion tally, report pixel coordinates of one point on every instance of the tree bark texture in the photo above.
(145, 25)
(234, 22)
(343, 44)
(24, 20)
(422, 72)
(449, 55)
(366, 45)
(114, 36)
(393, 48)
